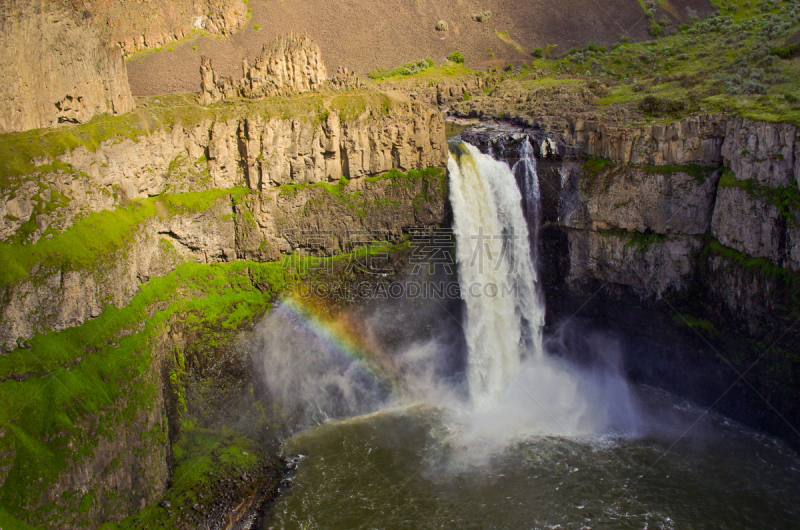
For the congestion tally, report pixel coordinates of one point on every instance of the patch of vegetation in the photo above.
(94, 240)
(412, 68)
(697, 172)
(593, 166)
(442, 26)
(456, 57)
(482, 17)
(655, 30)
(703, 325)
(643, 241)
(656, 106)
(505, 37)
(102, 369)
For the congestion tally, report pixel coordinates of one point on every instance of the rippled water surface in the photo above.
(406, 468)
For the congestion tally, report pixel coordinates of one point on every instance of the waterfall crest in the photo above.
(496, 270)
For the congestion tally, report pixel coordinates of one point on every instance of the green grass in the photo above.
(94, 240)
(726, 64)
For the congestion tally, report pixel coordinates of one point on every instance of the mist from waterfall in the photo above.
(488, 372)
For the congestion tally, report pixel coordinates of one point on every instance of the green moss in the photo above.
(785, 198)
(201, 455)
(99, 370)
(592, 167)
(700, 324)
(643, 241)
(94, 240)
(697, 172)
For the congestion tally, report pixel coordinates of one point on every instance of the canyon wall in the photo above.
(55, 68)
(96, 230)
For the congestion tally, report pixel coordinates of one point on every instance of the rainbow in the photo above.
(343, 334)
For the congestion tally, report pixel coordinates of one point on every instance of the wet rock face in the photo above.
(649, 270)
(54, 68)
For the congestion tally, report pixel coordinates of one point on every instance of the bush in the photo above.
(442, 26)
(787, 52)
(256, 27)
(456, 57)
(661, 106)
(538, 53)
(482, 17)
(656, 30)
(509, 67)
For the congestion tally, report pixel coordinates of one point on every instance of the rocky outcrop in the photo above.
(766, 152)
(55, 69)
(753, 221)
(57, 299)
(263, 227)
(650, 267)
(246, 150)
(442, 94)
(275, 223)
(639, 200)
(290, 64)
(134, 26)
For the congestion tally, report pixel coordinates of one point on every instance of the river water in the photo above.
(539, 442)
(405, 469)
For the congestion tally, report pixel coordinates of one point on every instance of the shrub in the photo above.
(538, 53)
(656, 30)
(256, 27)
(509, 67)
(482, 17)
(787, 52)
(660, 106)
(791, 98)
(442, 26)
(194, 47)
(456, 57)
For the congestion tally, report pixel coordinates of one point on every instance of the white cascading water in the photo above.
(497, 275)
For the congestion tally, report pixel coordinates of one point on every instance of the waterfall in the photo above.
(496, 264)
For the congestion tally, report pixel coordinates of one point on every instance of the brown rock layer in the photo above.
(55, 69)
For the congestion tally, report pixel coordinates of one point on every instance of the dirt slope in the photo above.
(365, 34)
